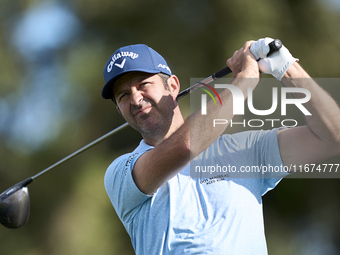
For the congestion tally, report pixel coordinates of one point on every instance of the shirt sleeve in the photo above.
(125, 196)
(273, 169)
(259, 150)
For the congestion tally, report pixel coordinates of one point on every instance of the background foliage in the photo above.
(51, 58)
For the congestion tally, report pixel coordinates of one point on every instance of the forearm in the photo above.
(324, 120)
(202, 131)
(200, 127)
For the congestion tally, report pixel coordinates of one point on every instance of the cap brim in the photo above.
(107, 92)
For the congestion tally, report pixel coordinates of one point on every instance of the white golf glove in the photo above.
(276, 63)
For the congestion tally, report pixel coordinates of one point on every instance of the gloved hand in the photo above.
(276, 63)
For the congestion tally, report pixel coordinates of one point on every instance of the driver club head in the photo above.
(15, 205)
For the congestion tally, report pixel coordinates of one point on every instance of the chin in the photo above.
(152, 128)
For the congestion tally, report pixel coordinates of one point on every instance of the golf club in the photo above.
(15, 202)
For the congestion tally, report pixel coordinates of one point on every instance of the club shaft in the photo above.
(219, 74)
(80, 150)
(194, 87)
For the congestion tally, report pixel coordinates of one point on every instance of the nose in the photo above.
(136, 97)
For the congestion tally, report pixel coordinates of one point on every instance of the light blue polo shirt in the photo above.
(207, 215)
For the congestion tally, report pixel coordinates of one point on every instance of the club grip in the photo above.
(221, 73)
(274, 45)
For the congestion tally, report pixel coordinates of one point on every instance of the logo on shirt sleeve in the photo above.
(128, 162)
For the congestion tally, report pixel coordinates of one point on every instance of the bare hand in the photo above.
(243, 63)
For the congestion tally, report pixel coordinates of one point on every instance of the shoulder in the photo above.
(121, 188)
(126, 159)
(123, 165)
(118, 164)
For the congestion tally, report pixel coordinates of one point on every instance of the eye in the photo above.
(144, 85)
(122, 96)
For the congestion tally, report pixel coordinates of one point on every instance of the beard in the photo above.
(157, 121)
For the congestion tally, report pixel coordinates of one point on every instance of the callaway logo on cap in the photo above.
(138, 57)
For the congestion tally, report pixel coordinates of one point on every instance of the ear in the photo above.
(117, 107)
(174, 85)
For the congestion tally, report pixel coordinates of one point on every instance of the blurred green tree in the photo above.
(70, 212)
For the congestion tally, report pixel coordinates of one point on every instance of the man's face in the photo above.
(145, 103)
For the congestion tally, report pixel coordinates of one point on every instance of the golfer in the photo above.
(164, 209)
